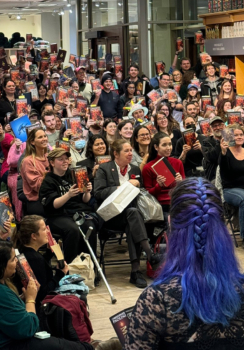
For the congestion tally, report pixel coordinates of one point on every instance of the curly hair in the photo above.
(90, 143)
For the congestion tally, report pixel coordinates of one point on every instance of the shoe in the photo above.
(138, 279)
(155, 260)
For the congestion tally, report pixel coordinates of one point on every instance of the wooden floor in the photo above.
(125, 293)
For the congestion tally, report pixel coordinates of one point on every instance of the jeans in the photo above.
(235, 197)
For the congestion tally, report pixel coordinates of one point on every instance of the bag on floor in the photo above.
(65, 316)
(149, 206)
(83, 265)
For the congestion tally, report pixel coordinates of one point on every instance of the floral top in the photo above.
(155, 324)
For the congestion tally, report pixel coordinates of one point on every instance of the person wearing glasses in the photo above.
(211, 148)
(140, 141)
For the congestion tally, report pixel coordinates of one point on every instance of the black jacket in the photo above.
(54, 186)
(122, 88)
(110, 105)
(211, 150)
(206, 90)
(107, 179)
(5, 107)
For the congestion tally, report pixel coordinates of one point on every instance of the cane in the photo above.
(79, 221)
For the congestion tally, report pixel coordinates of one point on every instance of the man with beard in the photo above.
(191, 110)
(211, 148)
(49, 121)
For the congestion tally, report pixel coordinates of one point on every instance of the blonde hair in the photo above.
(30, 149)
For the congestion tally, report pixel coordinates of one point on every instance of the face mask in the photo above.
(191, 126)
(80, 144)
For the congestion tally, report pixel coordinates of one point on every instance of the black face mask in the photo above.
(191, 126)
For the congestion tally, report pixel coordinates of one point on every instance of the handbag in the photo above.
(149, 206)
(83, 265)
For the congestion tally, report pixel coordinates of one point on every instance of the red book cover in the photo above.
(118, 67)
(117, 58)
(205, 127)
(15, 76)
(53, 58)
(44, 53)
(4, 198)
(151, 128)
(210, 108)
(54, 48)
(159, 66)
(20, 53)
(83, 61)
(239, 100)
(53, 84)
(93, 65)
(153, 95)
(189, 137)
(121, 322)
(21, 106)
(164, 168)
(62, 95)
(24, 270)
(103, 159)
(234, 117)
(96, 84)
(96, 114)
(172, 95)
(72, 59)
(44, 64)
(101, 64)
(81, 105)
(80, 178)
(74, 124)
(206, 100)
(63, 144)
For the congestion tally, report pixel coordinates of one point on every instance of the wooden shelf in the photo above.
(222, 17)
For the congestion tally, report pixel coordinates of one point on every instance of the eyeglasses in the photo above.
(144, 135)
(214, 126)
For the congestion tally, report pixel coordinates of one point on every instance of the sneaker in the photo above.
(155, 260)
(138, 279)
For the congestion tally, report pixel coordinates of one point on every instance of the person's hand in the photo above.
(18, 143)
(57, 107)
(30, 292)
(186, 149)
(161, 180)
(28, 109)
(7, 128)
(7, 225)
(178, 177)
(66, 82)
(89, 187)
(73, 191)
(68, 132)
(164, 97)
(89, 123)
(134, 182)
(94, 170)
(65, 269)
(98, 93)
(75, 112)
(197, 146)
(224, 146)
(180, 49)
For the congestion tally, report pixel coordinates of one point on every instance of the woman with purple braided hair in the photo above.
(197, 300)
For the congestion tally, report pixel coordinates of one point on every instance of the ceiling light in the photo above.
(61, 12)
(97, 4)
(119, 3)
(70, 11)
(18, 17)
(69, 3)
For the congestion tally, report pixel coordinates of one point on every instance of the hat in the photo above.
(216, 119)
(57, 152)
(55, 75)
(136, 107)
(192, 86)
(106, 77)
(34, 112)
(78, 68)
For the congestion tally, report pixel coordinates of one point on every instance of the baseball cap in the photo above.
(192, 86)
(78, 68)
(57, 152)
(55, 75)
(216, 119)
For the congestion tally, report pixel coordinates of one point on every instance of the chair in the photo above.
(230, 212)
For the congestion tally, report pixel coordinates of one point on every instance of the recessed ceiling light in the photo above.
(18, 17)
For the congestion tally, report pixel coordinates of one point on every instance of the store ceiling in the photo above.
(28, 8)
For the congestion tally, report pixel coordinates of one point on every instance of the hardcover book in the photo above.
(118, 67)
(54, 48)
(4, 198)
(228, 136)
(72, 59)
(4, 216)
(96, 114)
(44, 64)
(80, 178)
(74, 124)
(103, 159)
(61, 55)
(53, 58)
(63, 144)
(159, 67)
(62, 94)
(206, 100)
(120, 322)
(53, 84)
(21, 106)
(93, 65)
(19, 127)
(189, 137)
(96, 84)
(81, 105)
(172, 95)
(77, 61)
(164, 168)
(239, 100)
(24, 270)
(205, 127)
(15, 76)
(153, 95)
(101, 64)
(234, 117)
(32, 88)
(117, 58)
(151, 128)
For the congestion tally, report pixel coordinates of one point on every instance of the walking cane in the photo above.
(79, 221)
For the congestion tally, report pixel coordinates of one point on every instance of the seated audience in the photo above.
(109, 130)
(231, 162)
(161, 146)
(130, 90)
(140, 142)
(226, 92)
(45, 96)
(197, 297)
(125, 130)
(8, 99)
(139, 113)
(61, 199)
(18, 319)
(48, 119)
(108, 178)
(222, 107)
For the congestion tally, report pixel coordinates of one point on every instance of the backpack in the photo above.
(65, 316)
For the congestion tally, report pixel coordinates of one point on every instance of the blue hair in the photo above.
(201, 254)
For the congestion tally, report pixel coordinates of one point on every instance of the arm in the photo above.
(102, 189)
(210, 152)
(31, 175)
(119, 109)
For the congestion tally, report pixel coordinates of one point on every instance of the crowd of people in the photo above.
(134, 130)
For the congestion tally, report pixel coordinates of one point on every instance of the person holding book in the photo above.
(177, 76)
(222, 108)
(139, 113)
(30, 237)
(61, 199)
(109, 177)
(140, 142)
(226, 92)
(192, 95)
(18, 319)
(33, 168)
(189, 148)
(6, 233)
(84, 87)
(45, 96)
(130, 92)
(133, 73)
(8, 100)
(125, 130)
(231, 162)
(155, 181)
(162, 124)
(212, 84)
(184, 308)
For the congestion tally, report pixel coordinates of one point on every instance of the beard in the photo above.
(217, 134)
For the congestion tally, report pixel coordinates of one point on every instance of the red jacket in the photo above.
(150, 182)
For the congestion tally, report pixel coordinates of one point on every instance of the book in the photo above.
(234, 117)
(206, 100)
(228, 136)
(96, 114)
(239, 100)
(83, 62)
(81, 105)
(172, 95)
(118, 67)
(4, 198)
(28, 97)
(13, 59)
(96, 84)
(63, 144)
(22, 84)
(197, 83)
(80, 178)
(62, 94)
(15, 76)
(72, 59)
(120, 322)
(74, 124)
(151, 127)
(177, 87)
(24, 270)
(153, 95)
(33, 69)
(4, 64)
(44, 54)
(101, 64)
(27, 65)
(4, 216)
(92, 65)
(164, 168)
(205, 127)
(44, 64)
(117, 58)
(19, 127)
(53, 58)
(159, 67)
(32, 88)
(53, 84)
(189, 137)
(31, 127)
(61, 55)
(54, 48)
(21, 106)
(102, 159)
(77, 61)
(210, 108)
